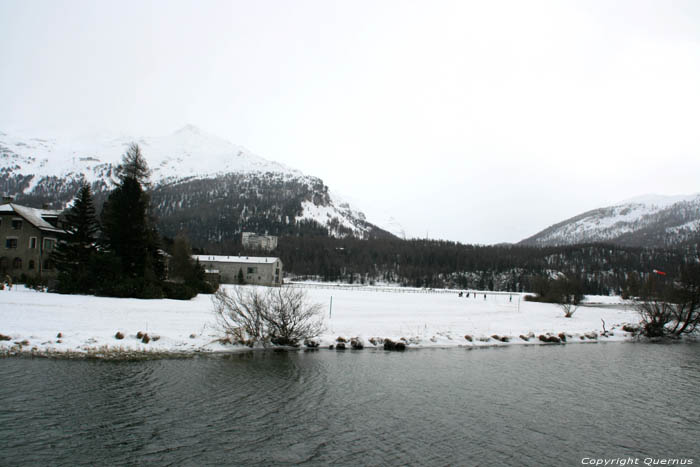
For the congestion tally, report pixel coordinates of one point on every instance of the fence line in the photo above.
(388, 289)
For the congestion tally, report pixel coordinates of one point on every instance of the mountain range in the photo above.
(202, 184)
(645, 221)
(213, 190)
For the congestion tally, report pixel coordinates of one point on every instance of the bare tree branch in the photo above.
(281, 315)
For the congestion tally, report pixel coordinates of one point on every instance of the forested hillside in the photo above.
(602, 269)
(648, 221)
(214, 212)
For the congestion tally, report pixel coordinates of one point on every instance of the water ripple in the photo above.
(515, 406)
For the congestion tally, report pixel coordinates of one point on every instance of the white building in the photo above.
(254, 269)
(258, 242)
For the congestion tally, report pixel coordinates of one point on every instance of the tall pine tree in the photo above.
(76, 251)
(134, 166)
(129, 234)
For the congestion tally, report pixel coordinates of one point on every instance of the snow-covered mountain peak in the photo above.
(647, 220)
(192, 171)
(187, 152)
(188, 128)
(660, 201)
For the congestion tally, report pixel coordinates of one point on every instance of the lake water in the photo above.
(534, 405)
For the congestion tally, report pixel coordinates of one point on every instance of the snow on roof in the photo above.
(33, 215)
(235, 259)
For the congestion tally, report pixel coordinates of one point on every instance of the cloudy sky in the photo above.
(480, 122)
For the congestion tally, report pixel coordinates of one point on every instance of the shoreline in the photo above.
(120, 353)
(48, 325)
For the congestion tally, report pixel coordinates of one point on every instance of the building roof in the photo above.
(33, 215)
(236, 259)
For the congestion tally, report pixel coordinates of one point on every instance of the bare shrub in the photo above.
(290, 317)
(569, 294)
(673, 308)
(280, 316)
(569, 309)
(662, 317)
(654, 314)
(240, 314)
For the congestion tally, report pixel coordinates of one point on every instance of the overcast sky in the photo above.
(480, 122)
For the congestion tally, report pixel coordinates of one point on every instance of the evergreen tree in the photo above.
(181, 264)
(129, 234)
(125, 229)
(76, 251)
(134, 166)
(187, 277)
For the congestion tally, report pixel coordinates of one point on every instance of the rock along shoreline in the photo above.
(120, 353)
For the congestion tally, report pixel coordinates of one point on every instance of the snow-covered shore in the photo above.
(51, 324)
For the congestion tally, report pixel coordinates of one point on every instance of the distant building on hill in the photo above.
(253, 241)
(252, 269)
(28, 237)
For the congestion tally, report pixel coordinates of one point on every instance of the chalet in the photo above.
(254, 269)
(28, 237)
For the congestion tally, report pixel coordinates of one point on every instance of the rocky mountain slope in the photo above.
(648, 221)
(202, 184)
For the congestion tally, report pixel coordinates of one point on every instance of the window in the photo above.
(11, 242)
(49, 244)
(252, 270)
(16, 224)
(17, 263)
(32, 242)
(31, 264)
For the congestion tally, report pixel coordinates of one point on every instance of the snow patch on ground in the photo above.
(422, 318)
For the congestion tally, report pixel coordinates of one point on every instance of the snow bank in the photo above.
(33, 320)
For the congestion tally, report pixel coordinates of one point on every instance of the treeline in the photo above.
(601, 269)
(120, 253)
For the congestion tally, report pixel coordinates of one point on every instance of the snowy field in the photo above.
(33, 320)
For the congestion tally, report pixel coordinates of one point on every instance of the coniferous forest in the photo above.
(601, 269)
